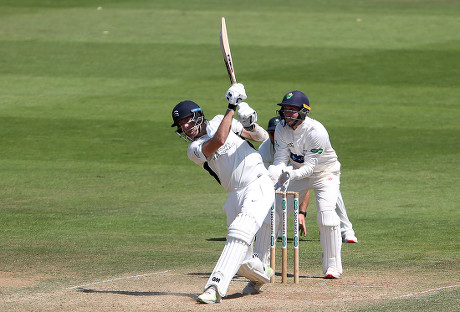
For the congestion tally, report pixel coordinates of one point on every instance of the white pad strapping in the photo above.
(244, 228)
(331, 242)
(254, 270)
(235, 251)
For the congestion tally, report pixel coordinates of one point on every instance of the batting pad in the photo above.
(254, 270)
(232, 256)
(244, 228)
(262, 243)
(345, 224)
(331, 242)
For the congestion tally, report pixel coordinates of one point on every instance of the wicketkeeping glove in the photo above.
(292, 172)
(283, 182)
(247, 116)
(235, 94)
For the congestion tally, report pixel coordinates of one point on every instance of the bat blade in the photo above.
(225, 47)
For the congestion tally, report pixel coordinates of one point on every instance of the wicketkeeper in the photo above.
(267, 151)
(304, 159)
(218, 146)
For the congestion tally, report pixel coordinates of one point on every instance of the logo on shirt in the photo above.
(223, 150)
(317, 151)
(297, 158)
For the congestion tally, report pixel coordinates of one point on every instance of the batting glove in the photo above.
(275, 172)
(235, 94)
(247, 116)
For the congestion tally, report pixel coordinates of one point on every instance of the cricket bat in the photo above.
(225, 46)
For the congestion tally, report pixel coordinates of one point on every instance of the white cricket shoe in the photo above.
(254, 287)
(349, 238)
(210, 295)
(332, 273)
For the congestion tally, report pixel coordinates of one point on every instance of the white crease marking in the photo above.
(426, 291)
(119, 278)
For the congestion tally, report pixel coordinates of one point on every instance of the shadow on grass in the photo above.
(136, 293)
(290, 239)
(206, 275)
(216, 239)
(150, 293)
(165, 293)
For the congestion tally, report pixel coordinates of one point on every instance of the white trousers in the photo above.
(246, 210)
(346, 227)
(327, 191)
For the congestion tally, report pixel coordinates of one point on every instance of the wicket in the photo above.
(284, 237)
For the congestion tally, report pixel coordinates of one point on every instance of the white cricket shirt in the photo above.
(307, 148)
(235, 163)
(267, 151)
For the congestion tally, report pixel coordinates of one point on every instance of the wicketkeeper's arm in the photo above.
(303, 214)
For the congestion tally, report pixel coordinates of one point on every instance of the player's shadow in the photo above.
(289, 240)
(136, 293)
(149, 293)
(289, 275)
(216, 239)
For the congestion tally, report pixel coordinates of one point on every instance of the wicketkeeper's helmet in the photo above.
(297, 99)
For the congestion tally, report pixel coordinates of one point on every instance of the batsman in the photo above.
(219, 147)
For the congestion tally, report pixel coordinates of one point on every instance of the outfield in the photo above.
(100, 208)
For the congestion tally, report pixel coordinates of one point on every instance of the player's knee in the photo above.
(328, 218)
(243, 228)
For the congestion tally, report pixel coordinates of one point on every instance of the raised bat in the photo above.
(224, 45)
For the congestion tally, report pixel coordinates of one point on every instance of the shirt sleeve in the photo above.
(313, 155)
(236, 127)
(195, 152)
(265, 151)
(282, 151)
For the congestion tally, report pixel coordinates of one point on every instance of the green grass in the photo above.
(94, 182)
(448, 301)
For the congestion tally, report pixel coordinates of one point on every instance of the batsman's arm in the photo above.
(220, 136)
(257, 134)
